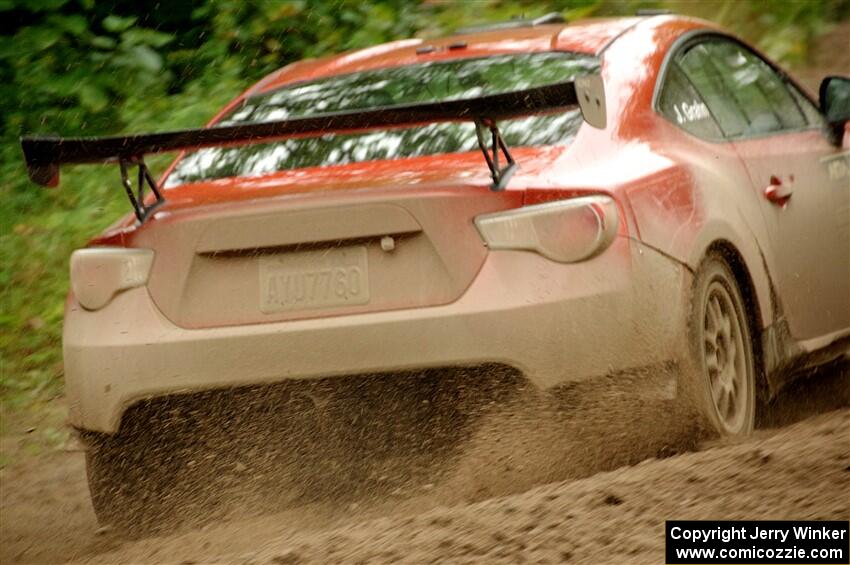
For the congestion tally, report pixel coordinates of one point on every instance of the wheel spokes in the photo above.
(711, 364)
(724, 403)
(732, 353)
(717, 312)
(724, 356)
(726, 327)
(716, 388)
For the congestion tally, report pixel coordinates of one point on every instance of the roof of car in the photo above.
(587, 36)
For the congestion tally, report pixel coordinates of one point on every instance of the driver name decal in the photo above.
(690, 112)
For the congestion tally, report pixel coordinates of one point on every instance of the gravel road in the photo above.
(524, 493)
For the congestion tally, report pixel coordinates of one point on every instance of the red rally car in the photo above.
(568, 200)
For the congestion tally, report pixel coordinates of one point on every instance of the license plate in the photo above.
(314, 279)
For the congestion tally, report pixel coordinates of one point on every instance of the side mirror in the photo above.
(835, 103)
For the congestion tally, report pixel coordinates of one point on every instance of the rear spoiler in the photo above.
(44, 154)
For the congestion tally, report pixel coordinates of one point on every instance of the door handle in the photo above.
(776, 192)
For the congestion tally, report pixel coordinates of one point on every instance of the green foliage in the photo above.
(81, 67)
(783, 29)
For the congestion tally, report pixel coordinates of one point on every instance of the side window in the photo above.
(697, 65)
(745, 94)
(760, 91)
(813, 115)
(682, 105)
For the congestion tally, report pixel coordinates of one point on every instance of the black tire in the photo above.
(155, 476)
(134, 489)
(721, 343)
(185, 461)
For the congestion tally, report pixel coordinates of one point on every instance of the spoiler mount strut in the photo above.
(137, 201)
(500, 175)
(45, 154)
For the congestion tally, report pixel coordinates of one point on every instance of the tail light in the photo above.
(566, 231)
(99, 273)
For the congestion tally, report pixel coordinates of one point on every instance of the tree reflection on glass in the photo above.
(428, 82)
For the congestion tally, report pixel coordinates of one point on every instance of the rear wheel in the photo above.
(143, 485)
(129, 487)
(185, 460)
(722, 350)
(174, 466)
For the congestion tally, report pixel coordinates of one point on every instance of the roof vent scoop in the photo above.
(550, 18)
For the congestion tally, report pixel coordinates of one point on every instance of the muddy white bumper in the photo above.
(554, 322)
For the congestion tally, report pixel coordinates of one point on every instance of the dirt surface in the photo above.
(615, 517)
(531, 484)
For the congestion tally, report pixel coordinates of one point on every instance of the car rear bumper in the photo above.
(553, 322)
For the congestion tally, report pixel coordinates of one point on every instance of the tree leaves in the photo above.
(116, 24)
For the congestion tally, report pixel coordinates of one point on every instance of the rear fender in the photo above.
(678, 219)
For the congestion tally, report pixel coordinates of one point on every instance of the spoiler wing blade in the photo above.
(44, 154)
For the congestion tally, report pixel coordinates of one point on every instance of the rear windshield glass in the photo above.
(427, 82)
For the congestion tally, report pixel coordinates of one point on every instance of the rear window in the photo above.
(427, 82)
